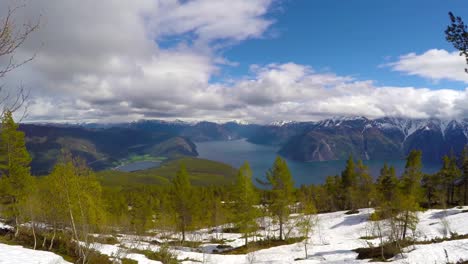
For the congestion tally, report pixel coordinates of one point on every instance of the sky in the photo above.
(252, 60)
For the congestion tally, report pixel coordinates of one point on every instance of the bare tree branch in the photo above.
(12, 37)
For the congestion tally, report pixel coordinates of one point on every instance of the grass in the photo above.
(261, 244)
(202, 173)
(136, 158)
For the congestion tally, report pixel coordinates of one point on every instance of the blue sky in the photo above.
(352, 37)
(252, 60)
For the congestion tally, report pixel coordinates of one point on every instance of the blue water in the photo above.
(261, 158)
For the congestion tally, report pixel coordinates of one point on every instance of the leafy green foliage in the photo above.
(245, 199)
(15, 178)
(281, 197)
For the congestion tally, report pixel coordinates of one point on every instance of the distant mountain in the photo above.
(383, 138)
(102, 148)
(102, 145)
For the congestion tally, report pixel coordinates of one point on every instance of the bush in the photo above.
(111, 240)
(351, 212)
(164, 254)
(129, 261)
(375, 253)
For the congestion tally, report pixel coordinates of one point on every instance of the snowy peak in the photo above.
(282, 123)
(343, 120)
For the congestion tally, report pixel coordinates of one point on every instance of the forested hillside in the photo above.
(101, 148)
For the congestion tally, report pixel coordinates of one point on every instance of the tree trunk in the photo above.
(34, 235)
(281, 228)
(52, 240)
(16, 226)
(305, 249)
(44, 242)
(465, 198)
(405, 227)
(183, 233)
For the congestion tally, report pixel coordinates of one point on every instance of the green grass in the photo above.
(202, 173)
(136, 158)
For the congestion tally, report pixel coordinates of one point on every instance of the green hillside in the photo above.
(202, 172)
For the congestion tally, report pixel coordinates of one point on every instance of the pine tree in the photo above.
(182, 191)
(348, 179)
(464, 167)
(334, 190)
(282, 188)
(387, 184)
(245, 199)
(365, 186)
(411, 190)
(446, 179)
(15, 177)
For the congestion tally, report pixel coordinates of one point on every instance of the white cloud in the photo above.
(104, 61)
(434, 64)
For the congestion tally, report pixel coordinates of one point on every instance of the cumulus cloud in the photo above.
(434, 64)
(112, 61)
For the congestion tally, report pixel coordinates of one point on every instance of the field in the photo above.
(202, 172)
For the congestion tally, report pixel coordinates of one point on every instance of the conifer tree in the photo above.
(464, 167)
(182, 191)
(15, 177)
(334, 190)
(282, 188)
(245, 200)
(387, 184)
(348, 179)
(365, 186)
(411, 190)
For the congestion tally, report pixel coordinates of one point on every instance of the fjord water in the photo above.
(261, 158)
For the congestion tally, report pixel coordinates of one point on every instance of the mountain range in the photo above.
(103, 145)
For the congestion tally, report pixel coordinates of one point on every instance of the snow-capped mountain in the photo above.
(380, 138)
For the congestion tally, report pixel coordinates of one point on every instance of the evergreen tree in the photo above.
(365, 192)
(15, 177)
(411, 190)
(434, 189)
(282, 188)
(245, 200)
(387, 184)
(348, 179)
(182, 191)
(334, 190)
(457, 34)
(446, 179)
(464, 167)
